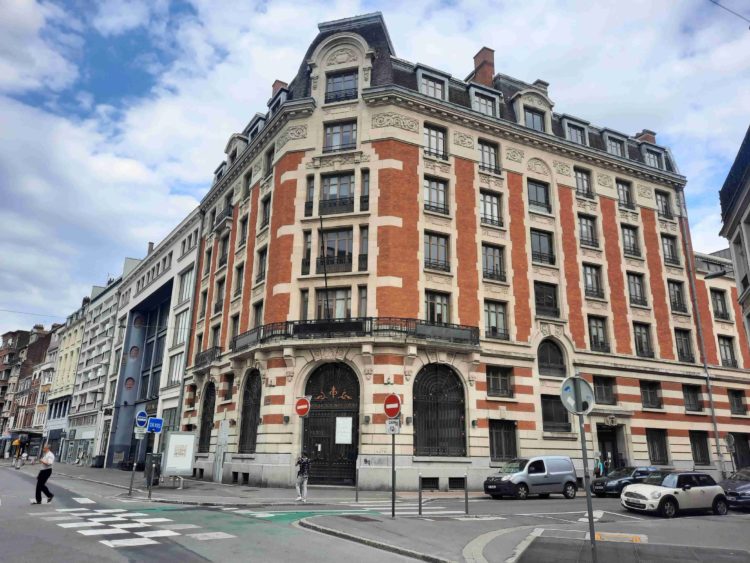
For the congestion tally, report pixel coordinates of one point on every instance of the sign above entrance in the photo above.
(302, 406)
(141, 419)
(392, 405)
(577, 395)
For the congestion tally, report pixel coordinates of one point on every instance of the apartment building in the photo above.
(12, 343)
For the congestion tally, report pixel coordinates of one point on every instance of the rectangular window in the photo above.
(488, 157)
(630, 240)
(338, 186)
(719, 302)
(364, 197)
(216, 336)
(636, 289)
(186, 286)
(576, 134)
(653, 158)
(340, 136)
(684, 345)
(265, 212)
(436, 195)
(554, 414)
(334, 304)
(207, 267)
(542, 249)
(262, 258)
(362, 307)
(592, 281)
(499, 381)
(341, 86)
(436, 252)
(437, 307)
(176, 367)
(434, 142)
(737, 401)
(534, 119)
(219, 302)
(243, 232)
(181, 328)
(625, 194)
(239, 275)
(484, 104)
(309, 196)
(539, 196)
(692, 397)
(604, 390)
(545, 298)
(269, 161)
(598, 334)
(587, 231)
(306, 252)
(677, 296)
(669, 247)
(258, 314)
(642, 333)
(615, 147)
(651, 394)
(304, 304)
(433, 87)
(489, 207)
(726, 351)
(493, 262)
(495, 324)
(656, 440)
(364, 243)
(502, 440)
(583, 183)
(699, 447)
(234, 326)
(663, 205)
(338, 248)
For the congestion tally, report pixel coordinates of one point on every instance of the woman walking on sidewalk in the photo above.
(48, 459)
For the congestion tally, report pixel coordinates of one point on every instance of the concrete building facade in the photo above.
(388, 228)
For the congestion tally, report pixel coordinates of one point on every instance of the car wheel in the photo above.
(496, 497)
(522, 492)
(570, 491)
(720, 507)
(668, 508)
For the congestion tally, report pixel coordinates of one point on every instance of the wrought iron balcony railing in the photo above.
(678, 306)
(590, 241)
(498, 333)
(207, 357)
(336, 205)
(626, 204)
(341, 95)
(543, 257)
(340, 147)
(441, 265)
(599, 345)
(548, 311)
(496, 274)
(223, 215)
(490, 220)
(334, 264)
(435, 153)
(666, 214)
(588, 194)
(492, 168)
(729, 362)
(632, 250)
(596, 292)
(721, 315)
(671, 259)
(435, 207)
(540, 205)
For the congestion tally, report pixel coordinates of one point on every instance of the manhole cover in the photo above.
(358, 518)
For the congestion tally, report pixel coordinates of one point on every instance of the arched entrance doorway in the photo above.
(439, 412)
(207, 418)
(331, 430)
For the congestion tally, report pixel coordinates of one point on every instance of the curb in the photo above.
(97, 482)
(307, 523)
(228, 504)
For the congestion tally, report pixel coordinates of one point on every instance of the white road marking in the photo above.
(480, 518)
(110, 510)
(176, 526)
(230, 508)
(130, 525)
(211, 536)
(157, 534)
(108, 519)
(103, 532)
(623, 515)
(130, 542)
(80, 524)
(84, 500)
(72, 510)
(87, 514)
(425, 512)
(58, 518)
(152, 520)
(132, 514)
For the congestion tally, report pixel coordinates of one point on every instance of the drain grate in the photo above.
(358, 518)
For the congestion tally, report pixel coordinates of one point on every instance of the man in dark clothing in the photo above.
(41, 480)
(302, 474)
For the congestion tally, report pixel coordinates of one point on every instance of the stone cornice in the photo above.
(400, 96)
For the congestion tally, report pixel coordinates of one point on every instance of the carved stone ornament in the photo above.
(589, 253)
(492, 233)
(367, 360)
(338, 353)
(558, 330)
(437, 279)
(538, 167)
(331, 161)
(314, 80)
(266, 184)
(534, 100)
(544, 272)
(342, 56)
(256, 169)
(642, 313)
(437, 166)
(409, 359)
(258, 291)
(645, 192)
(492, 181)
(604, 180)
(494, 289)
(290, 133)
(542, 219)
(514, 154)
(544, 328)
(633, 263)
(586, 205)
(561, 168)
(463, 140)
(597, 305)
(262, 236)
(393, 119)
(366, 73)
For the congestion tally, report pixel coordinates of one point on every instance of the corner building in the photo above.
(388, 228)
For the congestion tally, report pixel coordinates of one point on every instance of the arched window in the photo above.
(250, 413)
(207, 418)
(551, 359)
(439, 413)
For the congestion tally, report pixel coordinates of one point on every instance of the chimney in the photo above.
(647, 136)
(277, 85)
(541, 84)
(38, 328)
(484, 67)
(150, 248)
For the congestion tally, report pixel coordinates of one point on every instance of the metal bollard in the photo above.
(356, 487)
(151, 479)
(466, 492)
(420, 494)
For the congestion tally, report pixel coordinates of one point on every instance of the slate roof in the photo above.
(732, 187)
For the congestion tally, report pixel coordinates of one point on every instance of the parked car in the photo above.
(737, 489)
(541, 476)
(613, 483)
(668, 493)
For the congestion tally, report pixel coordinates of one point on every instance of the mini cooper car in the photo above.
(668, 493)
(615, 482)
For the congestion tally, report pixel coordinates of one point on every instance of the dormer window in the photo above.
(576, 134)
(484, 104)
(615, 147)
(534, 119)
(653, 159)
(433, 87)
(232, 157)
(341, 86)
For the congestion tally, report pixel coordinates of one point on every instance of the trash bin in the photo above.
(97, 461)
(151, 460)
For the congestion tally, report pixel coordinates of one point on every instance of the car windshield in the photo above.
(513, 466)
(741, 475)
(658, 478)
(620, 473)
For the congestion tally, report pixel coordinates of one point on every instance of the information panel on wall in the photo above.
(178, 455)
(343, 430)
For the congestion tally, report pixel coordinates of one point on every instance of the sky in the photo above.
(114, 114)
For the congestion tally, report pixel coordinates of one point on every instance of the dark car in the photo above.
(737, 488)
(613, 483)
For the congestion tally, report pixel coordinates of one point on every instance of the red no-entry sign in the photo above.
(302, 406)
(392, 406)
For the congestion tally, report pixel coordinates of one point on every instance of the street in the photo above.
(90, 521)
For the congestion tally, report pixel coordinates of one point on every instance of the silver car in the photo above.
(541, 476)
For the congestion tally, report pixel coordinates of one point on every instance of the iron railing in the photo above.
(205, 358)
(542, 257)
(672, 259)
(685, 356)
(597, 292)
(590, 241)
(729, 362)
(223, 215)
(223, 260)
(638, 300)
(356, 327)
(489, 220)
(496, 333)
(441, 208)
(666, 214)
(643, 352)
(260, 277)
(547, 311)
(441, 265)
(626, 204)
(336, 205)
(340, 147)
(678, 306)
(436, 153)
(218, 306)
(721, 315)
(599, 345)
(632, 250)
(588, 194)
(494, 274)
(493, 168)
(334, 264)
(544, 205)
(341, 95)
(264, 222)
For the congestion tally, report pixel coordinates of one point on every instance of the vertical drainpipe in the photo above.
(690, 263)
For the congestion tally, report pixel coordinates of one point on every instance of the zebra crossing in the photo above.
(125, 528)
(404, 508)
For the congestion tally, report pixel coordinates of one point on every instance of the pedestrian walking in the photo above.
(47, 460)
(302, 474)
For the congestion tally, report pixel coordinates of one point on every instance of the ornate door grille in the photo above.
(439, 413)
(250, 413)
(207, 418)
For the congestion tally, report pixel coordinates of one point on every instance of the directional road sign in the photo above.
(302, 406)
(141, 419)
(392, 405)
(154, 425)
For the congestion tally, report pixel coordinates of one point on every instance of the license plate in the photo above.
(598, 487)
(730, 497)
(491, 486)
(638, 504)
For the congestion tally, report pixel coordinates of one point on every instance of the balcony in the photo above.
(638, 300)
(362, 262)
(218, 306)
(540, 205)
(685, 356)
(341, 95)
(644, 352)
(334, 264)
(599, 346)
(543, 257)
(400, 328)
(264, 222)
(729, 362)
(671, 260)
(223, 215)
(340, 147)
(337, 205)
(666, 214)
(548, 311)
(596, 292)
(632, 250)
(497, 333)
(627, 205)
(721, 315)
(222, 260)
(204, 359)
(491, 168)
(588, 194)
(364, 203)
(435, 207)
(492, 221)
(495, 274)
(440, 265)
(678, 306)
(590, 241)
(260, 277)
(435, 153)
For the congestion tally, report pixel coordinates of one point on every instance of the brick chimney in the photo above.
(484, 67)
(277, 85)
(150, 248)
(647, 136)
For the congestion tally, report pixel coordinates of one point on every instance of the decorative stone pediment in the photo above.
(491, 181)
(561, 168)
(393, 119)
(585, 205)
(514, 154)
(463, 140)
(291, 133)
(338, 160)
(443, 167)
(605, 180)
(342, 56)
(538, 166)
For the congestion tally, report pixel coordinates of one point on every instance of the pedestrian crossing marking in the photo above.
(130, 525)
(58, 518)
(103, 532)
(132, 514)
(211, 536)
(80, 524)
(108, 519)
(177, 526)
(84, 500)
(152, 520)
(130, 542)
(157, 534)
(430, 513)
(109, 510)
(72, 510)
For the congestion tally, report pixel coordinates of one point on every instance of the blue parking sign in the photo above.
(154, 425)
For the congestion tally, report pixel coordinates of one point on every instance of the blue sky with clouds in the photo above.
(114, 114)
